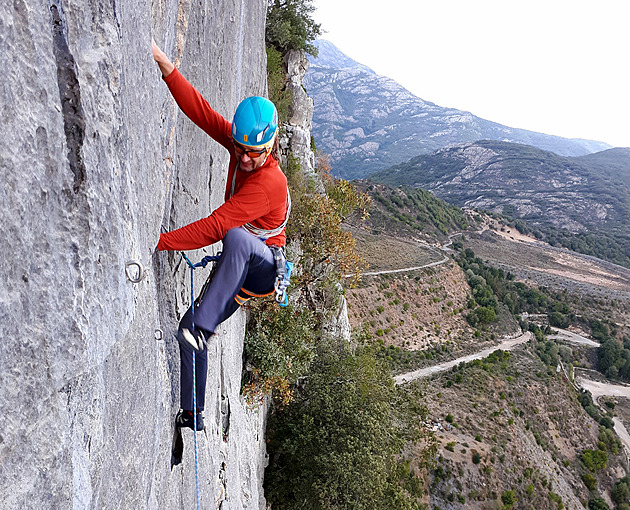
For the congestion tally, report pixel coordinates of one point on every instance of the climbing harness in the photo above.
(203, 263)
(281, 284)
(283, 266)
(134, 277)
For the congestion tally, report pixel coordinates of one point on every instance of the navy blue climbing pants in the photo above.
(246, 263)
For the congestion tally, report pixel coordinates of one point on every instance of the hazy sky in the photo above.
(556, 66)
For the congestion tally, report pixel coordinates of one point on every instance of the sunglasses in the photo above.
(240, 150)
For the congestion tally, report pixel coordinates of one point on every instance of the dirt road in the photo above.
(600, 389)
(569, 336)
(390, 271)
(506, 345)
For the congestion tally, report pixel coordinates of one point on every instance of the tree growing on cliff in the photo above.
(291, 27)
(337, 444)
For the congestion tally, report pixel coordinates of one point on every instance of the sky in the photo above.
(557, 67)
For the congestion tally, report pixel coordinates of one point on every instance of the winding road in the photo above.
(600, 389)
(563, 334)
(507, 344)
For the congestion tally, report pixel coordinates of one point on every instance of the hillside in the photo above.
(368, 122)
(510, 429)
(525, 182)
(410, 211)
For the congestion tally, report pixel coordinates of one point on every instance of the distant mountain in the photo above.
(368, 122)
(573, 193)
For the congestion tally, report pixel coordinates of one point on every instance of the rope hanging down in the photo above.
(203, 263)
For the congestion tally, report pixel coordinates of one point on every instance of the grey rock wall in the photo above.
(296, 138)
(95, 159)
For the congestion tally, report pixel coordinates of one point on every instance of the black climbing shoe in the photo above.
(195, 339)
(185, 419)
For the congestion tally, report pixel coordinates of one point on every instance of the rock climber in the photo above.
(250, 223)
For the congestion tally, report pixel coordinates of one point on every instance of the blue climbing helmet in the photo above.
(255, 122)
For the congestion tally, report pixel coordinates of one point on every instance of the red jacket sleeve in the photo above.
(198, 110)
(249, 204)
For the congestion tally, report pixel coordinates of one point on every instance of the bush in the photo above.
(486, 314)
(590, 481)
(315, 224)
(509, 499)
(620, 493)
(558, 320)
(334, 446)
(597, 503)
(276, 84)
(594, 460)
(279, 343)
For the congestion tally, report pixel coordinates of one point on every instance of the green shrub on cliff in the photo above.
(290, 26)
(594, 460)
(276, 84)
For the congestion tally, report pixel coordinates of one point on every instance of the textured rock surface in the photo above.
(95, 159)
(297, 131)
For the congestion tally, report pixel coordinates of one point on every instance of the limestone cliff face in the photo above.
(296, 132)
(296, 140)
(95, 159)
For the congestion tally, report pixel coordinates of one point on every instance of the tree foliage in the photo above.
(594, 460)
(621, 493)
(316, 223)
(291, 27)
(335, 445)
(597, 503)
(509, 499)
(279, 343)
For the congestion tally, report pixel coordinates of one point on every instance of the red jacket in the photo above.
(260, 196)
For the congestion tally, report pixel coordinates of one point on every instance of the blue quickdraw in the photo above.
(203, 262)
(281, 285)
(283, 275)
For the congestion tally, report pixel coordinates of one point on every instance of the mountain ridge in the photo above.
(367, 122)
(525, 182)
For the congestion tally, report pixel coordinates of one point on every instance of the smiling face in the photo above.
(250, 159)
(248, 164)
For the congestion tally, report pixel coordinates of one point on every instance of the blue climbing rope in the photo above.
(204, 262)
(194, 363)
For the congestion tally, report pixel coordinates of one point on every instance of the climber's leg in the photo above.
(245, 258)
